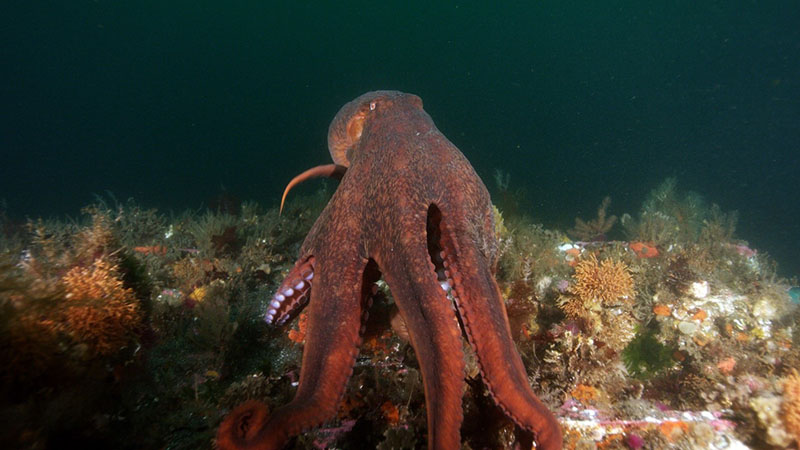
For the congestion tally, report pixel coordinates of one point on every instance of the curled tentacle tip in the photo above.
(242, 425)
(283, 197)
(283, 200)
(327, 170)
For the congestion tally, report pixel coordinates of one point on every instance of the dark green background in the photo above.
(168, 101)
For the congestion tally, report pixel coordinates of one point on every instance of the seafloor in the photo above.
(130, 328)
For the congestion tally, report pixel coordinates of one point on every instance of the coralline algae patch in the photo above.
(703, 317)
(714, 334)
(680, 429)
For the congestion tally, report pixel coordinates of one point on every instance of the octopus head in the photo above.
(348, 125)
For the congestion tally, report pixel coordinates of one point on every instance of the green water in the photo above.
(171, 102)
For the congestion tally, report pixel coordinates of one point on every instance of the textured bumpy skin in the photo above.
(411, 207)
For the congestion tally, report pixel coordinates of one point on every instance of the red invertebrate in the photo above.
(411, 208)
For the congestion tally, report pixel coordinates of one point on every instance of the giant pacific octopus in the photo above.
(410, 208)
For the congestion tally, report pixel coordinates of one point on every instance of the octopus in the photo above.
(411, 209)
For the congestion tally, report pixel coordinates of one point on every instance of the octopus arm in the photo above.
(483, 315)
(435, 336)
(293, 294)
(341, 292)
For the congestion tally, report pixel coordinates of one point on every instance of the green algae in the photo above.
(645, 357)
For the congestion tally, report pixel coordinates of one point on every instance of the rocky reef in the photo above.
(130, 328)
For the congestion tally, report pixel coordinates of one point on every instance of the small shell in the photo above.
(687, 327)
(699, 289)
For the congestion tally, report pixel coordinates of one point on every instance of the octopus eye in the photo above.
(355, 126)
(372, 106)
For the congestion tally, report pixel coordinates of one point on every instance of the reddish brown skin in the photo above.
(400, 165)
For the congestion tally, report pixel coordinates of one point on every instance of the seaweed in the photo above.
(667, 216)
(528, 251)
(645, 357)
(595, 229)
(708, 326)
